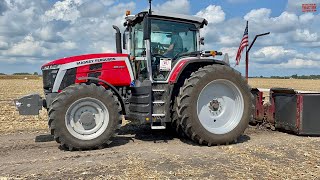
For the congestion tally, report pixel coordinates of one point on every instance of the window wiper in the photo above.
(193, 29)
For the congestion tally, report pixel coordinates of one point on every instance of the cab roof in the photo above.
(173, 16)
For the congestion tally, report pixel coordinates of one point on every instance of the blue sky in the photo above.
(36, 31)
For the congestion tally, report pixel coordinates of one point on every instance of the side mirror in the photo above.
(202, 40)
(146, 28)
(124, 39)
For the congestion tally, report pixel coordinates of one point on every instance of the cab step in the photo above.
(158, 90)
(158, 115)
(158, 102)
(158, 127)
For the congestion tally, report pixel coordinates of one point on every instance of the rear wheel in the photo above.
(85, 117)
(214, 105)
(175, 120)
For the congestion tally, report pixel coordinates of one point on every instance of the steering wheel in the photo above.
(157, 48)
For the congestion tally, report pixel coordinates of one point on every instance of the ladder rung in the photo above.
(158, 102)
(158, 127)
(157, 115)
(158, 90)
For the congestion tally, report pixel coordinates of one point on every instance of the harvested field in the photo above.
(298, 84)
(19, 77)
(28, 152)
(10, 121)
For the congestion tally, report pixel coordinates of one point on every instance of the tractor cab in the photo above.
(156, 41)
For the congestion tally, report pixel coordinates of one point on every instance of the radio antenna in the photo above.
(150, 1)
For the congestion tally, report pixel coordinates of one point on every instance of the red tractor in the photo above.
(164, 80)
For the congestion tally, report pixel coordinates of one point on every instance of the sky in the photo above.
(34, 32)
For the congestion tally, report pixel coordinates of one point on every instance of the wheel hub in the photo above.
(87, 118)
(214, 105)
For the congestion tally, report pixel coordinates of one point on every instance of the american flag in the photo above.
(244, 43)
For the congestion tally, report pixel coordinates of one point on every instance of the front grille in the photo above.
(49, 76)
(94, 74)
(69, 78)
(95, 66)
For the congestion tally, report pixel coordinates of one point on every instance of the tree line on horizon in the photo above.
(295, 76)
(21, 74)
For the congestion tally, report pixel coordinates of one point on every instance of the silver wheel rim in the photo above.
(87, 118)
(220, 106)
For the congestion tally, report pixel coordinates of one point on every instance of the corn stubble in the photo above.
(10, 88)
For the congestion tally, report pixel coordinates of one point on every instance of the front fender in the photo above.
(117, 93)
(194, 62)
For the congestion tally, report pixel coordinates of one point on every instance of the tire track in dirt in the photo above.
(261, 154)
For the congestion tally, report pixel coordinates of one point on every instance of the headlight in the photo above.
(50, 67)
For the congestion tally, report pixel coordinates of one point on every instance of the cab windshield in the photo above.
(169, 39)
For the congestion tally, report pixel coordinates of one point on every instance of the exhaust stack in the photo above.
(118, 39)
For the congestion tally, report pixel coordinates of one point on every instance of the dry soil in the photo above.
(28, 152)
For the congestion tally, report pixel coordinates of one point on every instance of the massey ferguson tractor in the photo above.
(164, 80)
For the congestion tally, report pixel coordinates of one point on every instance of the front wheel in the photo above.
(85, 117)
(214, 105)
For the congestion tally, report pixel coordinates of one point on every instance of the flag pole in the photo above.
(247, 64)
(247, 57)
(247, 52)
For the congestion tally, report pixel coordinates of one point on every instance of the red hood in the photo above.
(82, 57)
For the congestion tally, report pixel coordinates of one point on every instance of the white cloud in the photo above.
(258, 14)
(232, 51)
(119, 10)
(310, 44)
(174, 6)
(274, 53)
(107, 2)
(310, 55)
(286, 28)
(64, 10)
(3, 45)
(30, 47)
(305, 36)
(237, 1)
(214, 14)
(300, 63)
(212, 33)
(306, 18)
(229, 40)
(296, 5)
(68, 45)
(3, 7)
(47, 33)
(27, 47)
(91, 8)
(261, 19)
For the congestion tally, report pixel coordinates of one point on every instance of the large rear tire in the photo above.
(214, 105)
(84, 117)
